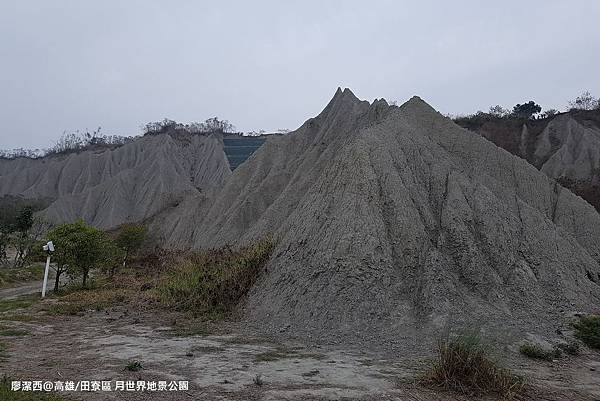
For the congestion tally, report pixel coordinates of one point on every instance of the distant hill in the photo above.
(566, 146)
(110, 186)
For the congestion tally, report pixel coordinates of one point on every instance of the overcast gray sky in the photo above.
(68, 65)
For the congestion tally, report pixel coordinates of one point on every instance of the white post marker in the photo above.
(49, 247)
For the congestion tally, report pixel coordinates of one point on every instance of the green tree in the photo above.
(4, 242)
(24, 220)
(21, 239)
(130, 239)
(19, 228)
(526, 110)
(80, 249)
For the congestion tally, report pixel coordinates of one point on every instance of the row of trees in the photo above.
(208, 126)
(526, 110)
(585, 101)
(80, 249)
(79, 141)
(70, 142)
(531, 110)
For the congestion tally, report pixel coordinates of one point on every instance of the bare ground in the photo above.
(22, 289)
(221, 362)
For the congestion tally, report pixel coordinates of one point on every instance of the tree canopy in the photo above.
(130, 239)
(213, 124)
(80, 248)
(526, 110)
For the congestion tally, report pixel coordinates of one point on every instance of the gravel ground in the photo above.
(222, 362)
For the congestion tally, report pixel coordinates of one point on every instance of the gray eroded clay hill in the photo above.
(112, 186)
(566, 147)
(394, 222)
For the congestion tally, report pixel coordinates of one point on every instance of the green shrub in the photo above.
(464, 365)
(134, 366)
(587, 329)
(571, 347)
(212, 283)
(536, 351)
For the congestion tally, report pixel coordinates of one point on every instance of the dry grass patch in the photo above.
(97, 299)
(12, 332)
(570, 347)
(284, 353)
(128, 288)
(464, 365)
(587, 329)
(211, 283)
(18, 303)
(18, 318)
(15, 275)
(535, 351)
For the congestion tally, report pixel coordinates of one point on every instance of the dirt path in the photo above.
(23, 289)
(31, 287)
(233, 365)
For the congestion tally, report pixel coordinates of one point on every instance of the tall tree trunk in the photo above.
(85, 274)
(57, 278)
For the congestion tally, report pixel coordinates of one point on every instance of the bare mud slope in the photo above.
(129, 183)
(566, 147)
(393, 221)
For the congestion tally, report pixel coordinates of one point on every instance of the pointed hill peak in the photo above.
(416, 102)
(345, 95)
(342, 99)
(417, 108)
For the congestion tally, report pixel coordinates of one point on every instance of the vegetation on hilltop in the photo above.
(210, 125)
(70, 143)
(77, 141)
(527, 111)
